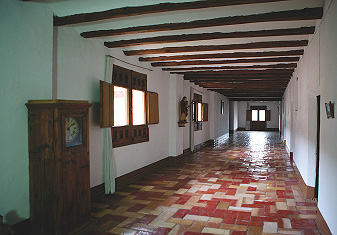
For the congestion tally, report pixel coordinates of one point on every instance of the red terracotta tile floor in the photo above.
(246, 185)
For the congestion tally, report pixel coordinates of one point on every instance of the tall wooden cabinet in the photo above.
(58, 165)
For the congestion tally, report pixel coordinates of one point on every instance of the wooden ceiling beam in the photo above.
(291, 15)
(253, 45)
(255, 98)
(237, 61)
(238, 74)
(240, 89)
(222, 55)
(216, 35)
(148, 9)
(246, 86)
(210, 68)
(248, 94)
(251, 76)
(275, 82)
(238, 78)
(240, 71)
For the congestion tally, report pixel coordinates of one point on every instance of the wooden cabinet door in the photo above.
(76, 193)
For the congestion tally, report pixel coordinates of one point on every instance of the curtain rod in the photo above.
(128, 63)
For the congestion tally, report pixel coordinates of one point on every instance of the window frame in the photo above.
(196, 109)
(130, 134)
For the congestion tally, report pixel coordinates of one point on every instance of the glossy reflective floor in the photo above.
(245, 185)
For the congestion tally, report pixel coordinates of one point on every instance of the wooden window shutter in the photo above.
(205, 112)
(106, 104)
(152, 107)
(139, 81)
(121, 77)
(248, 115)
(268, 115)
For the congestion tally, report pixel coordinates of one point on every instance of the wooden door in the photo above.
(258, 121)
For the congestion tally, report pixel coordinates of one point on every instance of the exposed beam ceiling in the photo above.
(243, 49)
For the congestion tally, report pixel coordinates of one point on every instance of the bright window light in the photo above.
(262, 115)
(138, 107)
(199, 112)
(121, 107)
(254, 115)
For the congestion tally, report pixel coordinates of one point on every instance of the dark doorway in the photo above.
(318, 144)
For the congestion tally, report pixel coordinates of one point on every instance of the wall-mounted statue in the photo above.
(183, 112)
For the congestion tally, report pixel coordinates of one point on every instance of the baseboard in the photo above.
(22, 228)
(198, 147)
(174, 160)
(268, 129)
(130, 178)
(231, 132)
(308, 191)
(322, 225)
(273, 129)
(97, 191)
(221, 140)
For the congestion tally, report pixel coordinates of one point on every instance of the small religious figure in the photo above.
(183, 111)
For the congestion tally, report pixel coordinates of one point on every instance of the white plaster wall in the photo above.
(288, 114)
(81, 64)
(304, 117)
(233, 115)
(219, 122)
(316, 74)
(80, 67)
(176, 133)
(242, 107)
(26, 41)
(273, 106)
(328, 151)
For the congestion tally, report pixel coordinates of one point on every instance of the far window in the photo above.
(258, 115)
(138, 107)
(121, 106)
(255, 115)
(262, 115)
(199, 112)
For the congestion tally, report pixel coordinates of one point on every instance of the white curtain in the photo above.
(108, 157)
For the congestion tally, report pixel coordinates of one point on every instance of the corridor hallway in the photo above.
(246, 185)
